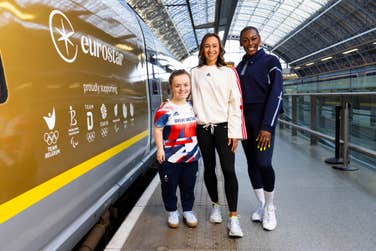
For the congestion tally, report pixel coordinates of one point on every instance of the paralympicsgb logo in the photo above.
(61, 31)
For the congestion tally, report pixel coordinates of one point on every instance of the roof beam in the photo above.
(227, 10)
(218, 5)
(333, 45)
(206, 26)
(192, 22)
(304, 26)
(157, 19)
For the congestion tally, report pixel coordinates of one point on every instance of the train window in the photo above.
(153, 58)
(371, 73)
(154, 83)
(3, 86)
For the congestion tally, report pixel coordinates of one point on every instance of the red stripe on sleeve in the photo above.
(244, 129)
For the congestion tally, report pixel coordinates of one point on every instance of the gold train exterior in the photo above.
(82, 83)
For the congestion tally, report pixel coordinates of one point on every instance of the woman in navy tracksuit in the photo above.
(261, 81)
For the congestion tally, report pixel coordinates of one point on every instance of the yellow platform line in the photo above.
(16, 205)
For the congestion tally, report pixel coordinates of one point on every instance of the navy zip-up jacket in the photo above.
(261, 81)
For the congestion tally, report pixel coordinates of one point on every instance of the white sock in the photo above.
(260, 196)
(216, 204)
(269, 197)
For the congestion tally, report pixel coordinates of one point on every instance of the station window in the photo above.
(3, 86)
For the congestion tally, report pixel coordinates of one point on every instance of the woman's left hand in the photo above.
(233, 143)
(263, 140)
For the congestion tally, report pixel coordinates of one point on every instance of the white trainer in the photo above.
(258, 214)
(173, 219)
(269, 221)
(233, 226)
(190, 219)
(215, 214)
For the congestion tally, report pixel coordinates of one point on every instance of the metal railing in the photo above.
(343, 101)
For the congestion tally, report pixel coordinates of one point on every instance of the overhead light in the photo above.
(349, 51)
(327, 58)
(125, 47)
(289, 76)
(297, 68)
(310, 64)
(374, 42)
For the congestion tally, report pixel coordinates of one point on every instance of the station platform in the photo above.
(318, 208)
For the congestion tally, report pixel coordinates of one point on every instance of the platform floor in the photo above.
(318, 208)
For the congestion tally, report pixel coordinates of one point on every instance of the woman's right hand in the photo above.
(160, 156)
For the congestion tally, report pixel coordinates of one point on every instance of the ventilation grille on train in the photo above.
(3, 86)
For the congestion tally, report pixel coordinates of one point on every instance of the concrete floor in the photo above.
(318, 208)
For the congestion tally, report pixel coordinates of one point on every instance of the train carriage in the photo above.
(79, 84)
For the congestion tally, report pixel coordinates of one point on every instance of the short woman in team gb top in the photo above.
(177, 149)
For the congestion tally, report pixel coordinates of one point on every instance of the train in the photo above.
(79, 83)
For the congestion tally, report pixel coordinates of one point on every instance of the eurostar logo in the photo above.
(61, 31)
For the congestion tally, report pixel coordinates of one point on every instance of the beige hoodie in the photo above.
(216, 95)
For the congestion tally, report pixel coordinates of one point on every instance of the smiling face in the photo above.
(180, 87)
(250, 40)
(211, 50)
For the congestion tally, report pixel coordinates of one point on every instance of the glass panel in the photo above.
(280, 17)
(202, 11)
(362, 115)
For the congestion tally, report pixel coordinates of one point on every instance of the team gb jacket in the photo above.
(261, 81)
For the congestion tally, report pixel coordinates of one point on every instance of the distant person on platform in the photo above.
(177, 149)
(217, 103)
(261, 81)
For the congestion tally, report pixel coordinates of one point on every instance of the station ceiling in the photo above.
(312, 36)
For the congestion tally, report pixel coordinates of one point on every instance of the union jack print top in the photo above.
(179, 132)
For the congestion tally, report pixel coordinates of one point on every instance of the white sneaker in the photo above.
(269, 221)
(233, 226)
(190, 219)
(173, 219)
(258, 214)
(215, 214)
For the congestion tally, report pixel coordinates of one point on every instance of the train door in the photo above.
(155, 90)
(154, 83)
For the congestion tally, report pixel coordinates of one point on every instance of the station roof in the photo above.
(301, 32)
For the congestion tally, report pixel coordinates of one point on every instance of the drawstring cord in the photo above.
(211, 126)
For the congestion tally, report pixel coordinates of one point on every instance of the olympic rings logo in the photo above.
(51, 137)
(90, 136)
